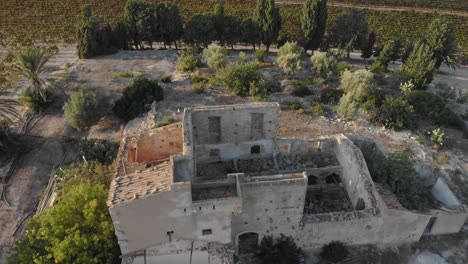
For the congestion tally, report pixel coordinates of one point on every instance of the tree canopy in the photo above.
(350, 30)
(269, 21)
(313, 22)
(440, 37)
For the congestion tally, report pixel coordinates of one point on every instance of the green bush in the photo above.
(395, 113)
(289, 57)
(99, 150)
(261, 54)
(83, 172)
(342, 66)
(215, 56)
(199, 88)
(258, 90)
(300, 90)
(243, 57)
(200, 30)
(188, 60)
(34, 102)
(199, 79)
(166, 121)
(165, 78)
(324, 65)
(137, 98)
(419, 67)
(237, 77)
(82, 109)
(357, 88)
(94, 38)
(124, 74)
(318, 110)
(282, 249)
(330, 95)
(434, 107)
(334, 252)
(295, 106)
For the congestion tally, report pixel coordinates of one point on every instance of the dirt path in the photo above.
(387, 8)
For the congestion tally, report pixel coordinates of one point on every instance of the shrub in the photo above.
(384, 58)
(407, 87)
(295, 106)
(419, 67)
(137, 98)
(200, 30)
(357, 88)
(188, 60)
(215, 56)
(330, 95)
(237, 77)
(261, 54)
(79, 173)
(342, 66)
(258, 90)
(99, 150)
(124, 74)
(300, 90)
(434, 107)
(318, 110)
(94, 38)
(166, 121)
(283, 249)
(243, 57)
(324, 65)
(165, 78)
(82, 109)
(437, 137)
(34, 102)
(199, 88)
(395, 113)
(334, 252)
(289, 57)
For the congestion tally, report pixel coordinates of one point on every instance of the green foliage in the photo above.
(33, 102)
(313, 22)
(169, 22)
(437, 137)
(300, 90)
(440, 37)
(434, 107)
(261, 54)
(289, 57)
(384, 58)
(295, 106)
(258, 90)
(279, 250)
(350, 30)
(232, 33)
(334, 252)
(200, 30)
(396, 172)
(120, 34)
(243, 57)
(165, 78)
(318, 110)
(368, 50)
(342, 67)
(419, 67)
(324, 65)
(330, 95)
(357, 88)
(215, 56)
(218, 18)
(268, 18)
(137, 98)
(395, 113)
(407, 87)
(250, 33)
(31, 65)
(83, 172)
(7, 107)
(94, 37)
(99, 150)
(142, 21)
(237, 77)
(188, 60)
(78, 229)
(166, 121)
(81, 109)
(199, 87)
(124, 74)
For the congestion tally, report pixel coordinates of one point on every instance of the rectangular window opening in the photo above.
(207, 232)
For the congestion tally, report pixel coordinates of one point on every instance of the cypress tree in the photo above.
(369, 49)
(419, 66)
(440, 37)
(313, 22)
(170, 23)
(218, 18)
(269, 21)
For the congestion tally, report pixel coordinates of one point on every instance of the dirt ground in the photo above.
(51, 137)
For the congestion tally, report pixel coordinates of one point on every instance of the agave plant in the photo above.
(31, 64)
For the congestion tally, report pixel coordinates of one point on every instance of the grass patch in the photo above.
(124, 74)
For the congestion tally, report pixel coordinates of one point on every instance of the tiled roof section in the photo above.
(140, 183)
(390, 200)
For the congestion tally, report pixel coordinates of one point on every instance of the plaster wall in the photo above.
(235, 123)
(271, 207)
(230, 151)
(356, 176)
(448, 223)
(160, 143)
(145, 223)
(402, 226)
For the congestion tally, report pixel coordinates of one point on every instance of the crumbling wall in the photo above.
(448, 223)
(356, 176)
(271, 207)
(160, 143)
(232, 124)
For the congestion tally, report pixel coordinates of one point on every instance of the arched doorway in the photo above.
(247, 243)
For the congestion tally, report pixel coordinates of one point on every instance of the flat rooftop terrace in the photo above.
(280, 164)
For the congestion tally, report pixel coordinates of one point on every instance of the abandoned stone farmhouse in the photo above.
(214, 184)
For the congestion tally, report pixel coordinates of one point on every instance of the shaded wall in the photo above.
(160, 143)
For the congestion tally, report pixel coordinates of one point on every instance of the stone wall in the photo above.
(160, 143)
